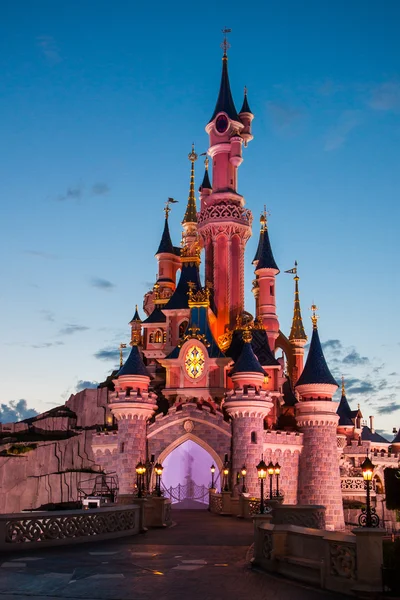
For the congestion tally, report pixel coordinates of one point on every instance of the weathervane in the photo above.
(121, 358)
(225, 44)
(192, 156)
(167, 209)
(314, 316)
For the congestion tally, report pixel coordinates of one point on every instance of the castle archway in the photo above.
(186, 477)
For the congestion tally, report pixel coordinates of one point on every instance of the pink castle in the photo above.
(202, 368)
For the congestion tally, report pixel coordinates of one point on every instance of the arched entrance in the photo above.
(186, 477)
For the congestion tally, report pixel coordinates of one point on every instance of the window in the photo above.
(158, 337)
(122, 447)
(253, 437)
(182, 328)
(271, 290)
(151, 338)
(164, 337)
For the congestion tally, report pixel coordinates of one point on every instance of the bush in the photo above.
(20, 449)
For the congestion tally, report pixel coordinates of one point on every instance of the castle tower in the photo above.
(319, 475)
(206, 188)
(266, 270)
(223, 222)
(136, 327)
(297, 336)
(248, 405)
(132, 405)
(167, 259)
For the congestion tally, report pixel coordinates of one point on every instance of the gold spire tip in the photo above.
(206, 162)
(192, 155)
(314, 316)
(225, 44)
(343, 388)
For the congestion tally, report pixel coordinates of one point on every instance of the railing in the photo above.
(189, 490)
(39, 529)
(355, 486)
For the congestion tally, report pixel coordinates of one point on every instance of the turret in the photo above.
(248, 405)
(297, 336)
(206, 188)
(168, 261)
(132, 405)
(319, 475)
(246, 116)
(266, 271)
(136, 327)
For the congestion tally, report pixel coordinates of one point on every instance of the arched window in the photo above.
(253, 437)
(151, 338)
(182, 328)
(158, 337)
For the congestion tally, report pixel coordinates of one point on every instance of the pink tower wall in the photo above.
(132, 449)
(244, 452)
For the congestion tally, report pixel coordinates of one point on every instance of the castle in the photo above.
(202, 368)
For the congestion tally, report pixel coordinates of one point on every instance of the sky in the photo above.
(100, 102)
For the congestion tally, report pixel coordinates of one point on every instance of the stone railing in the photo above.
(215, 502)
(18, 531)
(355, 486)
(335, 561)
(300, 515)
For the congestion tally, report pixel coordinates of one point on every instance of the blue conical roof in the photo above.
(134, 364)
(316, 370)
(206, 183)
(245, 106)
(136, 315)
(166, 243)
(225, 101)
(259, 247)
(180, 298)
(247, 361)
(266, 258)
(344, 412)
(199, 319)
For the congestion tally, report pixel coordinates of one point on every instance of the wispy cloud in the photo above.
(49, 49)
(72, 328)
(47, 345)
(354, 358)
(102, 284)
(100, 188)
(84, 385)
(284, 116)
(40, 254)
(47, 315)
(385, 96)
(107, 354)
(73, 193)
(388, 408)
(16, 410)
(339, 133)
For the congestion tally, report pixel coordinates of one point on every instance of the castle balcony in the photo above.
(225, 212)
(356, 486)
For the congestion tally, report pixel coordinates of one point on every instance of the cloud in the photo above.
(339, 133)
(354, 358)
(16, 410)
(359, 386)
(385, 97)
(41, 254)
(393, 374)
(283, 115)
(47, 315)
(72, 328)
(388, 408)
(334, 346)
(107, 354)
(47, 345)
(72, 193)
(48, 46)
(100, 188)
(102, 284)
(84, 385)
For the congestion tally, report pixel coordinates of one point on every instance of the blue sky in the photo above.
(99, 105)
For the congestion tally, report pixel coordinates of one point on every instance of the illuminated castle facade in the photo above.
(202, 368)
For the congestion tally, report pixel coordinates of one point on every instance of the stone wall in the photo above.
(51, 473)
(285, 448)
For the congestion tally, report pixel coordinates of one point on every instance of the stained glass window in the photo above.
(194, 362)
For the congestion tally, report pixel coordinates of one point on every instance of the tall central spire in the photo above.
(225, 101)
(191, 209)
(297, 331)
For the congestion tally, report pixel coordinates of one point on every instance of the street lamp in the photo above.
(212, 469)
(139, 476)
(262, 474)
(271, 471)
(226, 473)
(277, 471)
(368, 517)
(158, 469)
(244, 473)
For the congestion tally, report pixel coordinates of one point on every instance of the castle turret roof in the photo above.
(166, 243)
(157, 316)
(260, 346)
(206, 183)
(345, 413)
(136, 315)
(179, 299)
(396, 439)
(259, 247)
(134, 364)
(225, 101)
(369, 436)
(247, 361)
(316, 370)
(266, 259)
(245, 106)
(191, 209)
(297, 331)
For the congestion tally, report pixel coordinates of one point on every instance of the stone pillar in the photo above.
(248, 410)
(319, 475)
(369, 558)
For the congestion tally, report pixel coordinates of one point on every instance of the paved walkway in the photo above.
(201, 557)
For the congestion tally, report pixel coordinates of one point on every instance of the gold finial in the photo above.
(206, 162)
(247, 335)
(121, 357)
(314, 316)
(156, 290)
(343, 388)
(192, 155)
(225, 44)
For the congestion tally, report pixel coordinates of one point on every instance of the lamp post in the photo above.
(244, 473)
(212, 469)
(262, 474)
(277, 471)
(143, 478)
(158, 469)
(226, 482)
(139, 478)
(271, 471)
(368, 517)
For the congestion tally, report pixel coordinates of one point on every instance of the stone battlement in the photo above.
(283, 438)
